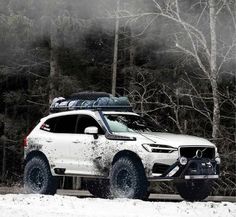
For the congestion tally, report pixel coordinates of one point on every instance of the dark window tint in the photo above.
(49, 125)
(85, 121)
(63, 124)
(66, 124)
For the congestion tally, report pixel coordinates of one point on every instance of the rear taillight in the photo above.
(25, 142)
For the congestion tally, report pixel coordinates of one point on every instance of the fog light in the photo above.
(172, 172)
(183, 160)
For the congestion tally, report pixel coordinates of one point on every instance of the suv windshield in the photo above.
(130, 123)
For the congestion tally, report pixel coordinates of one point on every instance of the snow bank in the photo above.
(23, 205)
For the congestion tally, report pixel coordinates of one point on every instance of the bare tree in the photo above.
(142, 90)
(202, 50)
(115, 53)
(54, 68)
(200, 43)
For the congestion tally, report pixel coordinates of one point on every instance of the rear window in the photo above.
(63, 124)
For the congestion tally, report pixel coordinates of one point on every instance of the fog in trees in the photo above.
(175, 61)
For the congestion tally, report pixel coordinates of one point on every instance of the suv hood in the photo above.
(174, 140)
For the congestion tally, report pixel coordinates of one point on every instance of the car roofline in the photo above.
(89, 112)
(119, 113)
(74, 112)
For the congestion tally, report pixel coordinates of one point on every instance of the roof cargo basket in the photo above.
(89, 95)
(90, 100)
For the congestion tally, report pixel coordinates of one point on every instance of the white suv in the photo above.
(118, 152)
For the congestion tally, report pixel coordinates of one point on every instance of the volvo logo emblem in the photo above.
(199, 153)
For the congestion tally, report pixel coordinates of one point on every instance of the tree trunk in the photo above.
(216, 111)
(54, 67)
(115, 56)
(131, 49)
(130, 74)
(53, 75)
(3, 141)
(213, 65)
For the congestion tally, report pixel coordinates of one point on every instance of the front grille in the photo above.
(159, 168)
(190, 152)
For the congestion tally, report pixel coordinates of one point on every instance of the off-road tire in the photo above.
(194, 190)
(38, 178)
(99, 188)
(128, 179)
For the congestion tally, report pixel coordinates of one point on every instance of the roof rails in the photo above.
(92, 101)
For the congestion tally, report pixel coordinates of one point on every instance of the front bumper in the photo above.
(194, 169)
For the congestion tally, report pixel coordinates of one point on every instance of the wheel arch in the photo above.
(35, 153)
(127, 153)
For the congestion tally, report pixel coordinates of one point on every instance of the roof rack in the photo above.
(88, 95)
(91, 101)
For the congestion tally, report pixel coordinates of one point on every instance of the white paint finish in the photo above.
(60, 150)
(119, 113)
(82, 154)
(174, 140)
(56, 148)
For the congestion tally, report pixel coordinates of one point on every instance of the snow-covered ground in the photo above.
(23, 205)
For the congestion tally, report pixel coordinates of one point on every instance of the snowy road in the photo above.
(20, 205)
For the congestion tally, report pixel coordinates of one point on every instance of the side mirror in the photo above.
(91, 130)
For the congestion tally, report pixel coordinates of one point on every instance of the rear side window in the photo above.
(49, 125)
(63, 124)
(66, 124)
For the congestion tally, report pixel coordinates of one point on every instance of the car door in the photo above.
(84, 147)
(59, 139)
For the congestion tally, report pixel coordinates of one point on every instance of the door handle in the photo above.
(76, 141)
(48, 140)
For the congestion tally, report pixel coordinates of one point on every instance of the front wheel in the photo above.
(194, 190)
(128, 179)
(38, 178)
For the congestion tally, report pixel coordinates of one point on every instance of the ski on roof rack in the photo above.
(91, 101)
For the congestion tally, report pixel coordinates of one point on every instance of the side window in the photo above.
(49, 125)
(85, 121)
(66, 124)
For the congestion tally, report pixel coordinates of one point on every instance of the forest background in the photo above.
(174, 59)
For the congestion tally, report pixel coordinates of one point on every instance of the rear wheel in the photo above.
(194, 190)
(128, 179)
(38, 178)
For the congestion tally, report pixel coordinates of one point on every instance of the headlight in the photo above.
(147, 147)
(155, 148)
